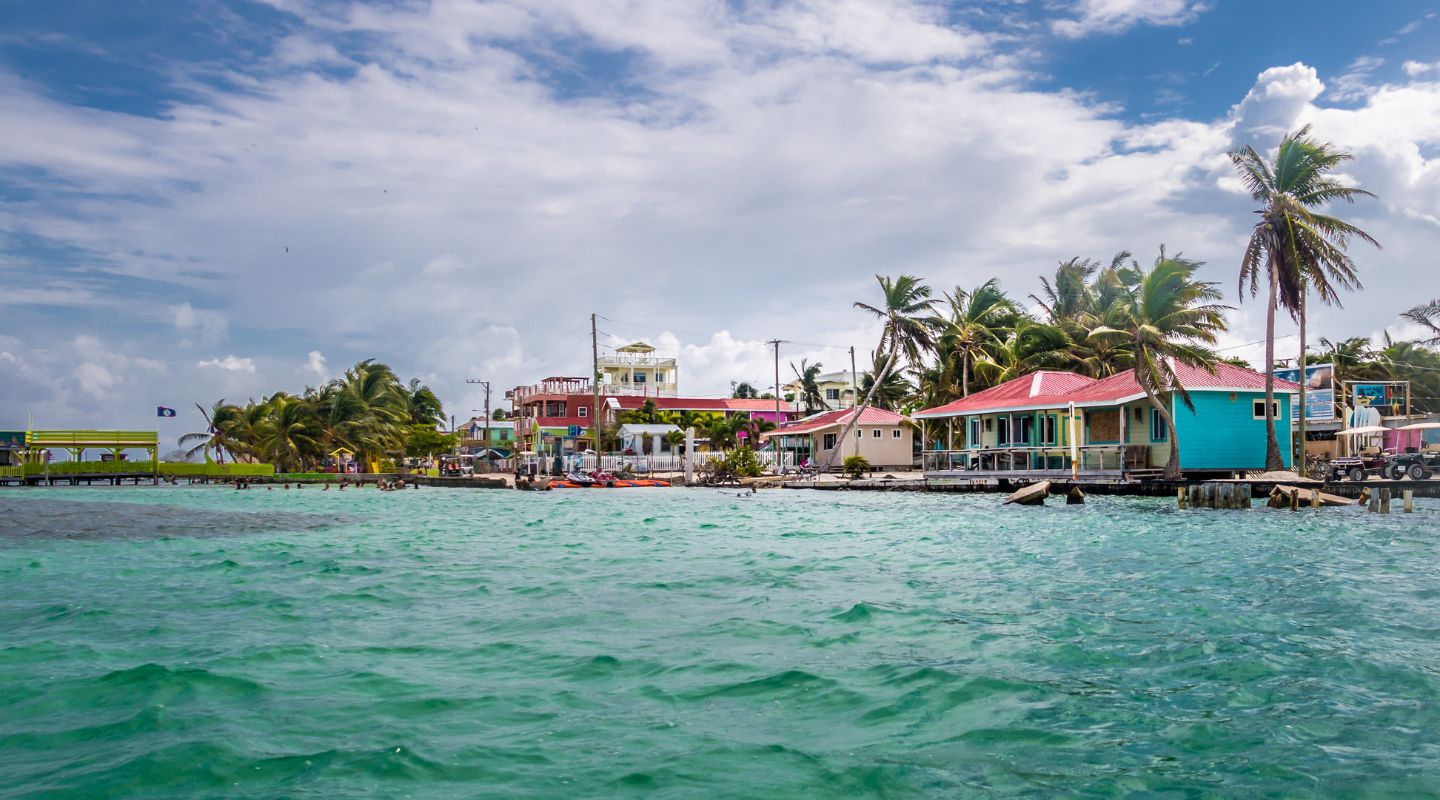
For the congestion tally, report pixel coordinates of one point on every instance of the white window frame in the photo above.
(582, 411)
(895, 434)
(1257, 408)
(878, 433)
(827, 441)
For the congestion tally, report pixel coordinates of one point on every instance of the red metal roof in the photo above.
(629, 402)
(1037, 391)
(1014, 393)
(870, 416)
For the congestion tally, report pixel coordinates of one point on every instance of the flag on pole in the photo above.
(162, 411)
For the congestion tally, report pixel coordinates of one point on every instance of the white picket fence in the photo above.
(671, 462)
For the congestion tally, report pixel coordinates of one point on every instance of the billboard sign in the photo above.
(1387, 398)
(1319, 391)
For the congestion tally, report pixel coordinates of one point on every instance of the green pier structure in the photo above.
(23, 461)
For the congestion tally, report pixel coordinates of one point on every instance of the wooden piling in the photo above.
(1294, 500)
(1374, 506)
(1384, 501)
(1408, 498)
(1364, 497)
(1314, 498)
(1180, 497)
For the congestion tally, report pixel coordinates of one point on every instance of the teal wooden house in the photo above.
(1055, 424)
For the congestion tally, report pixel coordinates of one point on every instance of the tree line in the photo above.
(367, 411)
(1098, 318)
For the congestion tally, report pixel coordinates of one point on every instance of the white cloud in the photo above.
(1416, 69)
(229, 363)
(209, 325)
(1355, 82)
(315, 363)
(455, 209)
(1117, 16)
(1275, 102)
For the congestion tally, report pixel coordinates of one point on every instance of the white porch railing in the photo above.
(672, 462)
(1047, 460)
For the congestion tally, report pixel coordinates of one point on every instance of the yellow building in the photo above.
(635, 370)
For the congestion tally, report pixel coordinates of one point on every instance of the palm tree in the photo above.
(1031, 346)
(754, 428)
(890, 394)
(422, 406)
(219, 427)
(806, 375)
(979, 319)
(908, 318)
(723, 431)
(1428, 317)
(1169, 319)
(1298, 248)
(288, 433)
(743, 390)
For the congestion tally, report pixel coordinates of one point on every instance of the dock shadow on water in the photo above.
(53, 518)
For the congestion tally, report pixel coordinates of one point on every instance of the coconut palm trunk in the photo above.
(1273, 460)
(860, 409)
(1299, 455)
(1172, 464)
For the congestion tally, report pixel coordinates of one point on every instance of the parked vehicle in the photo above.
(1416, 463)
(1358, 468)
(1371, 460)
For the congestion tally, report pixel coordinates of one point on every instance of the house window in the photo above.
(1258, 409)
(583, 411)
(1047, 429)
(895, 434)
(1002, 432)
(832, 394)
(1024, 429)
(829, 442)
(989, 424)
(639, 377)
(974, 432)
(859, 433)
(879, 433)
(1159, 432)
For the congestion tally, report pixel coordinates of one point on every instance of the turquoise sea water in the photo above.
(179, 642)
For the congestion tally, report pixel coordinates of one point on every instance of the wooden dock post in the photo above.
(1374, 506)
(1294, 500)
(1314, 498)
(1384, 501)
(1247, 496)
(1180, 497)
(1408, 498)
(1364, 497)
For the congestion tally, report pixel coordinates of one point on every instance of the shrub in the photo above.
(855, 466)
(743, 463)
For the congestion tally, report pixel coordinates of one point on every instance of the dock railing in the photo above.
(1051, 460)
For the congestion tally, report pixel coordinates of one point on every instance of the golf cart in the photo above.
(1370, 460)
(1415, 463)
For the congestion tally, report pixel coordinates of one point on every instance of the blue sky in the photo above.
(206, 199)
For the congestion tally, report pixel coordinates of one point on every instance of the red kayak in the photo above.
(615, 484)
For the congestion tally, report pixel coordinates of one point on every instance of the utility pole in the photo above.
(595, 386)
(486, 384)
(855, 397)
(776, 343)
